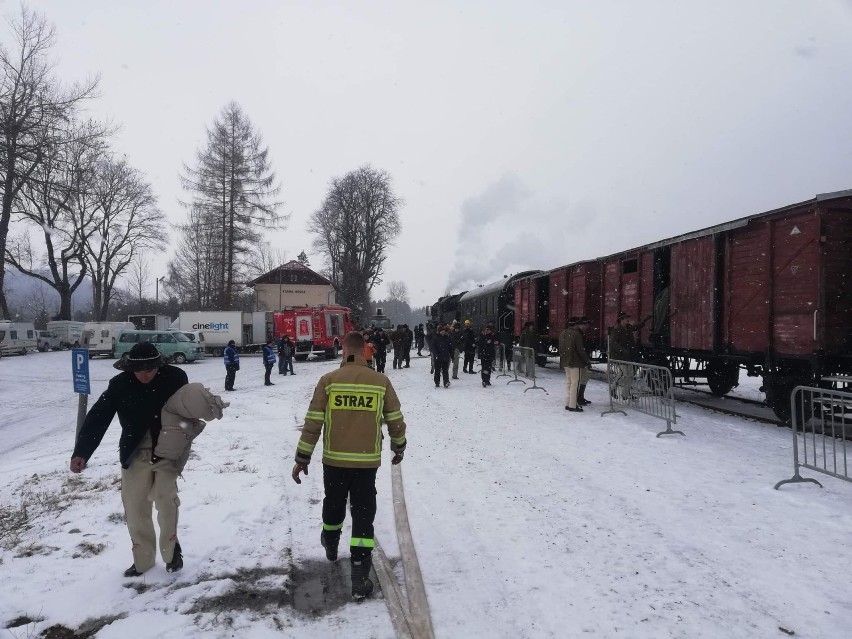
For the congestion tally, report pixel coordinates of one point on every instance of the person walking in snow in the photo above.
(485, 345)
(469, 339)
(137, 395)
(232, 364)
(419, 339)
(573, 358)
(442, 350)
(347, 409)
(285, 356)
(268, 361)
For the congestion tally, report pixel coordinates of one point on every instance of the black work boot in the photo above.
(177, 560)
(362, 585)
(581, 396)
(329, 541)
(132, 572)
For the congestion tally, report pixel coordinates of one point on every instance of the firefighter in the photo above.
(347, 410)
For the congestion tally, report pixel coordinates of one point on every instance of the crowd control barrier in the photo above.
(523, 360)
(501, 363)
(644, 388)
(821, 420)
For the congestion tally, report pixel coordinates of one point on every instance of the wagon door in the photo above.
(795, 287)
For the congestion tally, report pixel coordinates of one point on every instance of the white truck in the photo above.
(17, 337)
(150, 322)
(100, 337)
(69, 332)
(248, 330)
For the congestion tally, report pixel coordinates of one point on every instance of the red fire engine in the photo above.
(314, 329)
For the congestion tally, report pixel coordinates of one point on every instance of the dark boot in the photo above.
(132, 572)
(329, 541)
(581, 396)
(362, 585)
(177, 560)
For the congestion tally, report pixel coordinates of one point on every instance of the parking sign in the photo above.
(80, 369)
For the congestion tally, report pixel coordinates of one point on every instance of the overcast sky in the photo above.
(523, 134)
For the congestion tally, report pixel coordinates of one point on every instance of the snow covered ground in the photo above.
(529, 521)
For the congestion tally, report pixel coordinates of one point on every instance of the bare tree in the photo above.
(34, 109)
(354, 227)
(233, 190)
(55, 204)
(193, 273)
(398, 291)
(138, 276)
(129, 221)
(263, 259)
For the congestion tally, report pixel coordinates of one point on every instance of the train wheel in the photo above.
(722, 376)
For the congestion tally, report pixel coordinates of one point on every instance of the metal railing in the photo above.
(523, 360)
(501, 363)
(644, 388)
(821, 421)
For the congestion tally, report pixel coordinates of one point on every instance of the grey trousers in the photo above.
(144, 484)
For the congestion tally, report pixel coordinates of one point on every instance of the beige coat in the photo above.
(181, 421)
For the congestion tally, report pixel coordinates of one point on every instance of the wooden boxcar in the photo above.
(768, 292)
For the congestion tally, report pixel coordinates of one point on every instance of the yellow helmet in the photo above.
(467, 322)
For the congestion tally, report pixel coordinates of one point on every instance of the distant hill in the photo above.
(27, 296)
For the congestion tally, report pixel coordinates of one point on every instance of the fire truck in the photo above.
(317, 330)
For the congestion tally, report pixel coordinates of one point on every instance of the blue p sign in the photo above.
(80, 370)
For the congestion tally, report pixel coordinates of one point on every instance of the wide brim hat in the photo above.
(573, 321)
(584, 320)
(142, 357)
(622, 315)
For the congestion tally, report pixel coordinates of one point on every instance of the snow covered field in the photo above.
(529, 521)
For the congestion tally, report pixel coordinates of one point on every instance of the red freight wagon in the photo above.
(314, 329)
(769, 292)
(575, 291)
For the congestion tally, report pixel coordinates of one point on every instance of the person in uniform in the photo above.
(347, 410)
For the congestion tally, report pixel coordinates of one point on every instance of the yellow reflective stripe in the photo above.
(331, 454)
(372, 388)
(305, 447)
(314, 414)
(393, 416)
(398, 440)
(326, 526)
(362, 542)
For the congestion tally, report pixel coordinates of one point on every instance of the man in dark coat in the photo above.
(469, 338)
(485, 345)
(529, 339)
(623, 347)
(442, 349)
(407, 341)
(268, 361)
(138, 395)
(232, 364)
(419, 339)
(380, 341)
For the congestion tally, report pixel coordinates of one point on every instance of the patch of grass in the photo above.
(116, 518)
(87, 629)
(240, 468)
(88, 549)
(20, 521)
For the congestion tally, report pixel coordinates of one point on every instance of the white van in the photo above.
(100, 337)
(17, 337)
(68, 332)
(193, 336)
(48, 341)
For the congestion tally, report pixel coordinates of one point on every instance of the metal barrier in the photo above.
(644, 388)
(524, 363)
(500, 362)
(820, 417)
